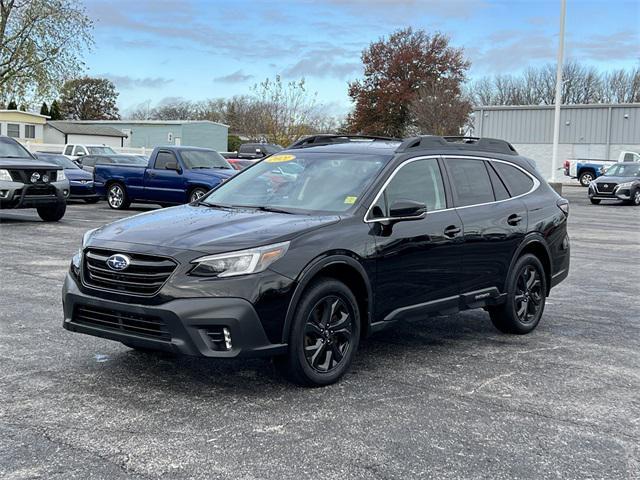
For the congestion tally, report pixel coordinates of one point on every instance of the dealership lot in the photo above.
(446, 397)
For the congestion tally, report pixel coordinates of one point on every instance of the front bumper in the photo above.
(82, 191)
(617, 194)
(188, 322)
(20, 195)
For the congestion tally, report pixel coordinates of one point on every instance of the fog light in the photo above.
(65, 192)
(227, 338)
(4, 193)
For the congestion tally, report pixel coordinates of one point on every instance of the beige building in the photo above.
(23, 126)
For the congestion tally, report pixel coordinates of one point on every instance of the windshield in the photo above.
(129, 160)
(101, 151)
(60, 160)
(624, 170)
(11, 149)
(194, 159)
(301, 181)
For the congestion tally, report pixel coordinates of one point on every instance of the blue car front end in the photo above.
(82, 185)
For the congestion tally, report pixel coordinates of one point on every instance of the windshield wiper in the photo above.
(266, 209)
(213, 205)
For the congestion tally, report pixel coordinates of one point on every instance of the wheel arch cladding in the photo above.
(538, 249)
(341, 268)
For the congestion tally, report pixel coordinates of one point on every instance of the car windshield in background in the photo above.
(129, 160)
(194, 159)
(101, 151)
(59, 160)
(624, 170)
(11, 149)
(301, 181)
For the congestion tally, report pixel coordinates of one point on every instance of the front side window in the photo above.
(13, 130)
(163, 159)
(301, 181)
(470, 181)
(624, 170)
(418, 181)
(68, 149)
(80, 150)
(515, 179)
(29, 131)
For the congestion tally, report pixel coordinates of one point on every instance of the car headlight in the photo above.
(242, 262)
(4, 175)
(625, 185)
(60, 176)
(76, 261)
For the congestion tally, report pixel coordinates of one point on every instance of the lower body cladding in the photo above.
(210, 327)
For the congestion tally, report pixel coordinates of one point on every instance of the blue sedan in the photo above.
(81, 181)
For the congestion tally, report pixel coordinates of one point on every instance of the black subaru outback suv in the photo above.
(300, 263)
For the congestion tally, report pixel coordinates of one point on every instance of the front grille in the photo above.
(24, 175)
(142, 325)
(40, 190)
(606, 187)
(145, 274)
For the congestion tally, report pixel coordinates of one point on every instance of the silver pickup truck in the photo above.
(29, 183)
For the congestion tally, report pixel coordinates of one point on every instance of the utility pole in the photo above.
(558, 101)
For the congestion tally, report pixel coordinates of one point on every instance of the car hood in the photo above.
(77, 174)
(26, 163)
(612, 179)
(209, 230)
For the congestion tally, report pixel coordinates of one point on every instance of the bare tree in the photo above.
(40, 44)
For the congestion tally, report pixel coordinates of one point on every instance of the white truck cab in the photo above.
(75, 150)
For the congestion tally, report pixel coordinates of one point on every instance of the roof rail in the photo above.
(329, 138)
(467, 143)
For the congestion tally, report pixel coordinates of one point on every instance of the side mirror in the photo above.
(78, 161)
(79, 154)
(407, 210)
(171, 166)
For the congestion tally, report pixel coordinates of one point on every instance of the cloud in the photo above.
(616, 46)
(124, 82)
(310, 67)
(236, 77)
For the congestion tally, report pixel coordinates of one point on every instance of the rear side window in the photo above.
(471, 181)
(499, 190)
(515, 179)
(163, 159)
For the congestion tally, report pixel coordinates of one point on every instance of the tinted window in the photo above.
(163, 159)
(470, 181)
(499, 190)
(248, 148)
(515, 179)
(419, 181)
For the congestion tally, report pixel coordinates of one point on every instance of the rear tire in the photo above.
(586, 178)
(324, 336)
(526, 295)
(52, 213)
(196, 194)
(635, 199)
(595, 201)
(117, 197)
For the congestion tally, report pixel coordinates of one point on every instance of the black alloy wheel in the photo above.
(327, 334)
(528, 297)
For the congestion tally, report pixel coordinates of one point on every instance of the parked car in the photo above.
(80, 181)
(75, 150)
(26, 182)
(364, 235)
(173, 175)
(89, 162)
(240, 164)
(254, 151)
(621, 181)
(588, 169)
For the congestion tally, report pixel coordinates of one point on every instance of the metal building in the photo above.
(586, 131)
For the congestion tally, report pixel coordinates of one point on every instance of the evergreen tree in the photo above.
(54, 111)
(44, 109)
(12, 105)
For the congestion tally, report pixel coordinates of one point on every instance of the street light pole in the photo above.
(558, 100)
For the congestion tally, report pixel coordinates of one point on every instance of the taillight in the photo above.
(563, 204)
(567, 164)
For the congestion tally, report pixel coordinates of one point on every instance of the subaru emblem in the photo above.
(35, 176)
(118, 262)
(606, 185)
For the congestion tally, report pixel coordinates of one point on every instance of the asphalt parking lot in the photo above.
(446, 397)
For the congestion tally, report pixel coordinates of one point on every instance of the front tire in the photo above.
(595, 201)
(324, 335)
(52, 213)
(586, 178)
(526, 296)
(117, 197)
(635, 199)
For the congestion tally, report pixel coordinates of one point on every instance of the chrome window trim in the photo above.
(536, 185)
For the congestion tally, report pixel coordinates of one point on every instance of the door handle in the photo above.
(514, 219)
(451, 231)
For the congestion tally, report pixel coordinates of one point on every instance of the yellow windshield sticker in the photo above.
(280, 158)
(350, 200)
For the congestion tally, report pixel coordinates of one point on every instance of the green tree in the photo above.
(12, 105)
(395, 70)
(40, 44)
(89, 99)
(44, 109)
(54, 111)
(233, 143)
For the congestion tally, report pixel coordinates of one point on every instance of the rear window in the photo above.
(515, 179)
(470, 181)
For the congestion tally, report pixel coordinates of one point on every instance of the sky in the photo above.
(155, 50)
